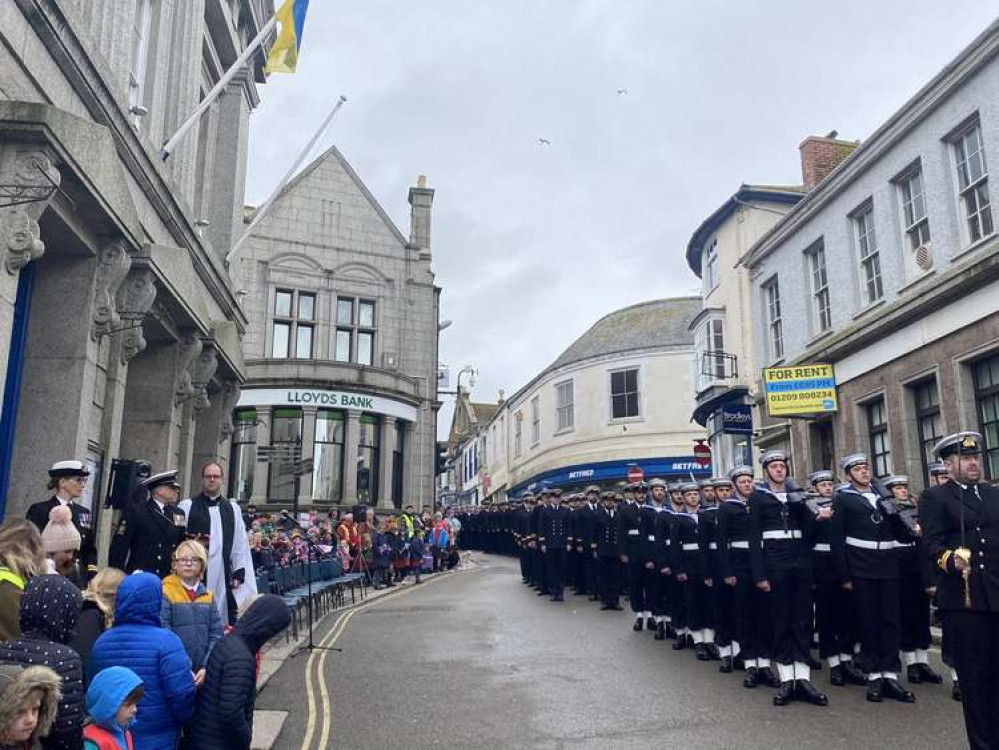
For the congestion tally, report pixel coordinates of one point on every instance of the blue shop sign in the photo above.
(675, 467)
(737, 419)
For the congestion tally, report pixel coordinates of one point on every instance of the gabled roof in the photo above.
(484, 412)
(786, 194)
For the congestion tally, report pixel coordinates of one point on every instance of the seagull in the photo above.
(622, 91)
(544, 142)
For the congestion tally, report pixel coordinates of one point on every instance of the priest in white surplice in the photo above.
(218, 523)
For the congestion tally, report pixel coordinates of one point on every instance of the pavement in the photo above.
(474, 659)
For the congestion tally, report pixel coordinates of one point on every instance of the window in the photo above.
(535, 420)
(398, 465)
(928, 422)
(775, 329)
(141, 23)
(354, 336)
(973, 182)
(368, 457)
(294, 324)
(624, 394)
(244, 454)
(518, 433)
(917, 225)
(870, 258)
(987, 402)
(877, 429)
(821, 312)
(564, 417)
(286, 434)
(327, 457)
(711, 267)
(709, 342)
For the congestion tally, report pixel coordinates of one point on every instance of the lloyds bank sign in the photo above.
(326, 399)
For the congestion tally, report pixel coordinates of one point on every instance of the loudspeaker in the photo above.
(123, 482)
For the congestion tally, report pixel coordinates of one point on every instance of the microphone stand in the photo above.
(310, 646)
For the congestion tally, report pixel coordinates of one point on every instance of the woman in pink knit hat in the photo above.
(61, 541)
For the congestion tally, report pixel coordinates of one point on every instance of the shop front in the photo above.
(612, 475)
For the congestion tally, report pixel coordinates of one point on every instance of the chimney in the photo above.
(421, 199)
(820, 155)
(502, 397)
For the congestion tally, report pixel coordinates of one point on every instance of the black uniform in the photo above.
(586, 537)
(915, 576)
(555, 538)
(608, 555)
(719, 595)
(629, 533)
(537, 557)
(685, 559)
(83, 520)
(954, 516)
(146, 538)
(648, 556)
(664, 592)
(834, 618)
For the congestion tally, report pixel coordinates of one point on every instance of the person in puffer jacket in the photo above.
(21, 692)
(49, 610)
(139, 642)
(225, 711)
(112, 700)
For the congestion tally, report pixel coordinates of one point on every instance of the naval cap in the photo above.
(938, 468)
(721, 482)
(592, 488)
(158, 480)
(68, 469)
(853, 460)
(896, 480)
(741, 471)
(689, 487)
(657, 482)
(770, 456)
(822, 475)
(965, 443)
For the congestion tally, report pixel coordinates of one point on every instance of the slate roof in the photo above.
(484, 412)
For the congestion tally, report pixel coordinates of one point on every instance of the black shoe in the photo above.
(874, 691)
(738, 663)
(752, 678)
(713, 653)
(701, 652)
(542, 592)
(767, 677)
(726, 665)
(927, 674)
(690, 640)
(606, 607)
(853, 675)
(836, 676)
(955, 692)
(892, 688)
(638, 625)
(650, 623)
(680, 644)
(814, 664)
(806, 691)
(660, 632)
(617, 608)
(785, 694)
(913, 675)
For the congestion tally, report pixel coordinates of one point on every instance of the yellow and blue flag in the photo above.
(283, 57)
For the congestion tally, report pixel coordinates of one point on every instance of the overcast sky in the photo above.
(534, 243)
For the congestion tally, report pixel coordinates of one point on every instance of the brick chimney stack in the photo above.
(421, 199)
(820, 155)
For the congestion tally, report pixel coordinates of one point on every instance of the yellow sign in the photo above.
(805, 389)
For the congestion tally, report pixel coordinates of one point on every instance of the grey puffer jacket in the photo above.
(16, 683)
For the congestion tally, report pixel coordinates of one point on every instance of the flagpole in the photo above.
(205, 103)
(260, 212)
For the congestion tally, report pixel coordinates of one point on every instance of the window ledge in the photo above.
(916, 280)
(626, 420)
(563, 431)
(976, 245)
(873, 306)
(820, 336)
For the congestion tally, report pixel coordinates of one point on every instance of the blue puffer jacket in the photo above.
(138, 641)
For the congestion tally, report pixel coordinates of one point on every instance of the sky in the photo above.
(655, 110)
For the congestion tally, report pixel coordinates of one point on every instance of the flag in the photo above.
(283, 57)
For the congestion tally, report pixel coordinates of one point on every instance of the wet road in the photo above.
(476, 660)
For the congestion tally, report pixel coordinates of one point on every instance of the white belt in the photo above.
(739, 545)
(779, 534)
(632, 532)
(868, 544)
(822, 547)
(667, 542)
(651, 537)
(690, 547)
(903, 545)
(713, 545)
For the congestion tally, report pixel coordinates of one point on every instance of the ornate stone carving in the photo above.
(28, 180)
(230, 395)
(113, 263)
(190, 350)
(134, 297)
(204, 369)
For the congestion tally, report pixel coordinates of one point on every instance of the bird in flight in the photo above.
(544, 142)
(621, 92)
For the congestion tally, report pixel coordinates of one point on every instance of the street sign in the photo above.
(702, 453)
(805, 389)
(635, 474)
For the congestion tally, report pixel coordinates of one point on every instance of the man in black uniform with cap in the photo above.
(554, 542)
(608, 553)
(629, 534)
(586, 537)
(150, 529)
(960, 525)
(68, 480)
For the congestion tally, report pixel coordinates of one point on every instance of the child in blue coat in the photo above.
(112, 699)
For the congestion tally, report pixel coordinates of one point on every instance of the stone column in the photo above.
(350, 457)
(214, 426)
(308, 452)
(260, 469)
(409, 480)
(386, 444)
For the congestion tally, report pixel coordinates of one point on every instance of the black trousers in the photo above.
(660, 594)
(749, 616)
(540, 575)
(677, 603)
(592, 574)
(524, 567)
(610, 580)
(577, 571)
(723, 609)
(790, 607)
(636, 584)
(697, 597)
(649, 578)
(914, 607)
(834, 619)
(876, 607)
(555, 564)
(975, 650)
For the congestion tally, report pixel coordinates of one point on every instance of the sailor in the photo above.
(707, 526)
(608, 553)
(629, 534)
(866, 528)
(960, 525)
(939, 473)
(540, 575)
(782, 568)
(653, 555)
(722, 596)
(672, 593)
(555, 545)
(647, 553)
(68, 481)
(688, 572)
(150, 529)
(586, 531)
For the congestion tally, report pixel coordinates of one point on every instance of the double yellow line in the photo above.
(320, 718)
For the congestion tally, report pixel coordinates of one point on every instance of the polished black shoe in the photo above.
(752, 678)
(814, 664)
(767, 677)
(650, 623)
(638, 625)
(928, 674)
(892, 688)
(726, 665)
(836, 676)
(806, 691)
(660, 632)
(713, 653)
(955, 692)
(668, 631)
(680, 644)
(853, 675)
(701, 652)
(785, 694)
(913, 675)
(874, 691)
